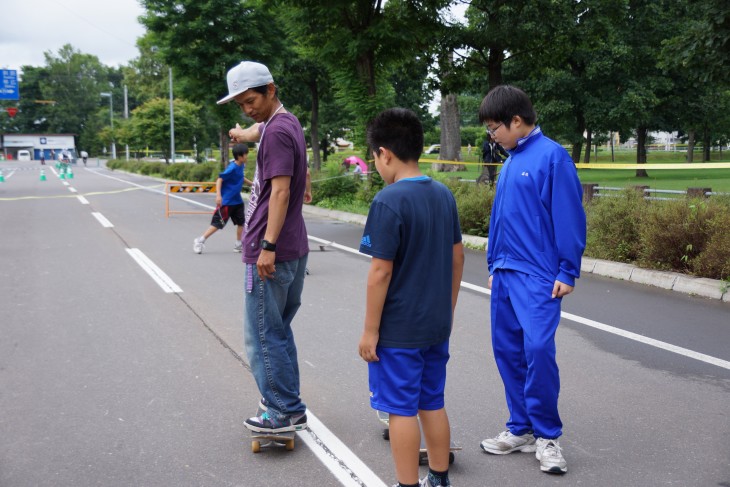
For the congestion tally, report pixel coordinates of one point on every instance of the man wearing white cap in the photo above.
(275, 246)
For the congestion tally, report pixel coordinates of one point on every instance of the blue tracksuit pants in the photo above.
(524, 320)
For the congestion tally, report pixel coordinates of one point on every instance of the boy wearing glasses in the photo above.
(413, 235)
(537, 234)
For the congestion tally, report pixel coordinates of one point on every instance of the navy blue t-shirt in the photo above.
(414, 223)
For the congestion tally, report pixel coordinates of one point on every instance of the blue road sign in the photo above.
(9, 86)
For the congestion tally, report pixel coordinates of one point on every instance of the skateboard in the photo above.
(423, 453)
(266, 440)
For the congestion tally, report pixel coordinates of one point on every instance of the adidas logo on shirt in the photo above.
(366, 241)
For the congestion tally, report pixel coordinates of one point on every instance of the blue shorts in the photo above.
(408, 379)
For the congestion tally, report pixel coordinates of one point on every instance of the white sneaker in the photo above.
(551, 456)
(198, 245)
(506, 442)
(424, 482)
(238, 247)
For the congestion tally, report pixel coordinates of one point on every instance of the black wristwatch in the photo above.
(266, 245)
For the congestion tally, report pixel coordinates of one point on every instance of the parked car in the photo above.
(433, 149)
(24, 155)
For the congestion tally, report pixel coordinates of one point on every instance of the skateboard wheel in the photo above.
(289, 445)
(452, 457)
(255, 446)
(386, 434)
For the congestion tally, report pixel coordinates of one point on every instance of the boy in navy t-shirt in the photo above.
(413, 235)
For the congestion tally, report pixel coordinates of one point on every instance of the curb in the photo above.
(681, 283)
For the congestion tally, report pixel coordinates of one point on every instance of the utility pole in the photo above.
(172, 122)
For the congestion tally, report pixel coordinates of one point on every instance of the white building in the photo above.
(10, 144)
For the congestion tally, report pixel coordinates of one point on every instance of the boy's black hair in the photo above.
(504, 102)
(398, 130)
(240, 150)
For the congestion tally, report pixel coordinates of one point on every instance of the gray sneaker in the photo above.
(506, 442)
(551, 456)
(198, 245)
(268, 424)
(238, 247)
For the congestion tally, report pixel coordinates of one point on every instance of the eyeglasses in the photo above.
(494, 130)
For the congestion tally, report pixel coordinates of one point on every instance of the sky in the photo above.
(107, 29)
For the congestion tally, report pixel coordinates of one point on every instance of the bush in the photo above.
(204, 172)
(151, 168)
(673, 233)
(472, 135)
(474, 203)
(369, 187)
(332, 183)
(613, 226)
(714, 260)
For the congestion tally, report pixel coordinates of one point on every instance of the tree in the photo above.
(702, 45)
(361, 43)
(203, 39)
(645, 88)
(74, 82)
(150, 124)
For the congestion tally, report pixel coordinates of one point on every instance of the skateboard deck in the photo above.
(266, 440)
(423, 453)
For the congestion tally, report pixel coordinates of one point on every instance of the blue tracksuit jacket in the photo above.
(538, 225)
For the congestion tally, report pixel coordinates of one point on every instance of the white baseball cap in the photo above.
(245, 76)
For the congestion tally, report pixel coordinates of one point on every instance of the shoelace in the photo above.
(551, 449)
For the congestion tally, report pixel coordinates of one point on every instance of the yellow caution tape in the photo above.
(596, 165)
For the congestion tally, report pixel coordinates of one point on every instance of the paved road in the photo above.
(106, 379)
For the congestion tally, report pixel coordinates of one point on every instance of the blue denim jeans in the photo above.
(270, 307)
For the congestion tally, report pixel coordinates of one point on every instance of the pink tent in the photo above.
(354, 160)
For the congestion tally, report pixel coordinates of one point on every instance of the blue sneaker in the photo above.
(267, 424)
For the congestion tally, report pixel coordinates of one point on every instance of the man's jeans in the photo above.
(270, 307)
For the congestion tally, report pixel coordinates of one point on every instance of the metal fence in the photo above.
(591, 191)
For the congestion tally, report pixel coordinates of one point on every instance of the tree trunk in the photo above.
(641, 134)
(494, 65)
(450, 135)
(314, 128)
(580, 128)
(589, 143)
(613, 157)
(690, 157)
(706, 142)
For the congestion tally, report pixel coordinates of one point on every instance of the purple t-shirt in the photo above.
(282, 152)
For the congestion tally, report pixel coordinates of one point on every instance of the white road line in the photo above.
(102, 219)
(162, 279)
(154, 190)
(649, 341)
(65, 183)
(588, 322)
(73, 190)
(336, 456)
(83, 200)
